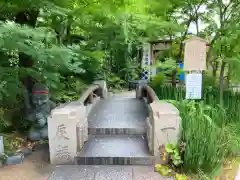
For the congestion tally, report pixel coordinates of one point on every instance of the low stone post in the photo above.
(62, 134)
(166, 126)
(103, 86)
(141, 84)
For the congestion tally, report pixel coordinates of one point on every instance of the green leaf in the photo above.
(169, 148)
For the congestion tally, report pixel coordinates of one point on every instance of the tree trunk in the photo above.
(221, 83)
(178, 60)
(197, 26)
(27, 18)
(215, 68)
(68, 33)
(228, 77)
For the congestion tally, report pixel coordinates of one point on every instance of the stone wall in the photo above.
(68, 125)
(163, 124)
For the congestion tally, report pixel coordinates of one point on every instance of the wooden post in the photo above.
(1, 145)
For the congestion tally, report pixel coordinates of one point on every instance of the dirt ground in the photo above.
(35, 167)
(229, 171)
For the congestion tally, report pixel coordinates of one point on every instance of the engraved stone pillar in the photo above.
(166, 125)
(81, 114)
(62, 135)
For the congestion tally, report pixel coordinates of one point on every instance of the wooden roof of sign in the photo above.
(195, 54)
(195, 38)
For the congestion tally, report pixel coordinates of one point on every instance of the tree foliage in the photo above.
(67, 44)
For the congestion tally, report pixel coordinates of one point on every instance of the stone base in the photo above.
(116, 131)
(114, 160)
(115, 150)
(15, 159)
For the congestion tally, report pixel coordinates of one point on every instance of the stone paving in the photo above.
(106, 173)
(120, 111)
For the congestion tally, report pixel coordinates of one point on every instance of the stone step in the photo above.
(117, 131)
(115, 150)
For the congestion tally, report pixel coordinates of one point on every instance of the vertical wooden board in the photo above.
(195, 54)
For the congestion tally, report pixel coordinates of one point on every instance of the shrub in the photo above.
(157, 80)
(204, 149)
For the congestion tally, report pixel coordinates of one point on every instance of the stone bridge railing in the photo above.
(163, 121)
(68, 126)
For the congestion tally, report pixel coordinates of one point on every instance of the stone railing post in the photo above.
(68, 125)
(103, 85)
(141, 84)
(166, 126)
(62, 134)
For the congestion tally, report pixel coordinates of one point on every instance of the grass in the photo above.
(211, 133)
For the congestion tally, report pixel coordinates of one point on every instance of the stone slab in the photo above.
(73, 173)
(115, 150)
(116, 173)
(117, 131)
(115, 160)
(147, 173)
(115, 146)
(106, 173)
(118, 112)
(15, 159)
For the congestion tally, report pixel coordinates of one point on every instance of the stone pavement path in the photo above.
(120, 111)
(37, 167)
(106, 173)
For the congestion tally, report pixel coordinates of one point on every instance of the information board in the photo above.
(194, 86)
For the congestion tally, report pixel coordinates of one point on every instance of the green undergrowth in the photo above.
(210, 133)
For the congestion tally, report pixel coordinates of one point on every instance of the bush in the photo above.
(210, 96)
(210, 132)
(158, 80)
(203, 148)
(71, 90)
(210, 81)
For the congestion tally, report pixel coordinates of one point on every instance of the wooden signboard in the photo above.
(195, 54)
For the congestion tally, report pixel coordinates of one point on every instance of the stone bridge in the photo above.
(105, 129)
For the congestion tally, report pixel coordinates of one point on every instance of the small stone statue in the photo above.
(38, 107)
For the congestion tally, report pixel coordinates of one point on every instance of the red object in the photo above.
(40, 92)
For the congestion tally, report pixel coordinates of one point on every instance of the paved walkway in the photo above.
(106, 173)
(119, 111)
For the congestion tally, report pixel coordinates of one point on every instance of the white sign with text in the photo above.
(194, 86)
